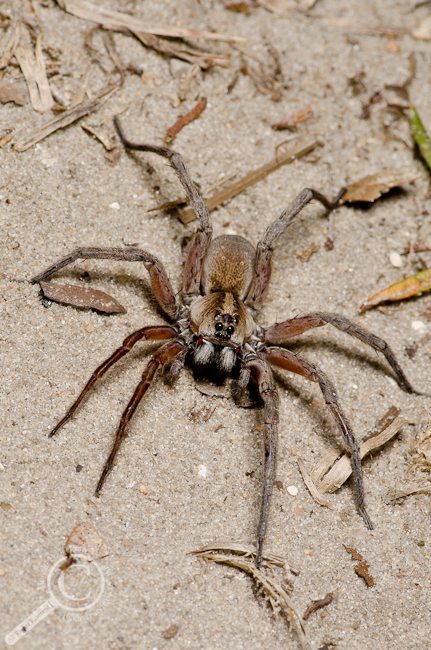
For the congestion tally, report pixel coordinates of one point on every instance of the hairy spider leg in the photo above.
(279, 333)
(261, 373)
(159, 280)
(289, 361)
(202, 237)
(265, 248)
(156, 333)
(162, 356)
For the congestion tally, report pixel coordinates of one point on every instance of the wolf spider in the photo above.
(224, 281)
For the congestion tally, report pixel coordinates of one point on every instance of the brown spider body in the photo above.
(224, 282)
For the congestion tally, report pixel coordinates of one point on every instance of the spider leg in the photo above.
(203, 235)
(289, 361)
(159, 280)
(261, 373)
(279, 333)
(156, 333)
(167, 352)
(264, 249)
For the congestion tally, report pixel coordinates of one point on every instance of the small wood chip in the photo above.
(171, 631)
(291, 122)
(84, 540)
(5, 139)
(372, 187)
(82, 297)
(181, 123)
(318, 604)
(305, 255)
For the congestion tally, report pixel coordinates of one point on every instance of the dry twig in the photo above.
(183, 121)
(301, 148)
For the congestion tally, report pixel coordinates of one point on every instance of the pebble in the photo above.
(90, 328)
(293, 490)
(418, 325)
(203, 471)
(396, 259)
(143, 489)
(114, 206)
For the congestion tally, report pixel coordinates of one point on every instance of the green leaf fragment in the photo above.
(420, 135)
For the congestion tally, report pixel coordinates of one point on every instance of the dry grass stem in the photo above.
(275, 594)
(66, 118)
(120, 21)
(319, 498)
(300, 148)
(10, 48)
(203, 59)
(33, 69)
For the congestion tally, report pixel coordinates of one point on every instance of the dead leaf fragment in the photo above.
(84, 540)
(12, 93)
(82, 297)
(406, 288)
(354, 553)
(362, 569)
(372, 187)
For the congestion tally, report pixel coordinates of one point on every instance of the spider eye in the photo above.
(230, 330)
(219, 326)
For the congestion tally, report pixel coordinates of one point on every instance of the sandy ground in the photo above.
(203, 479)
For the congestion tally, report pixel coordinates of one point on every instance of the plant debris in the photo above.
(83, 297)
(394, 494)
(318, 604)
(292, 122)
(327, 477)
(66, 118)
(361, 569)
(33, 69)
(275, 594)
(84, 540)
(118, 21)
(201, 415)
(239, 7)
(372, 187)
(301, 148)
(411, 286)
(12, 93)
(305, 255)
(420, 135)
(10, 48)
(183, 121)
(170, 632)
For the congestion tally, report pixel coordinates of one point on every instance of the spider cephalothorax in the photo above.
(223, 285)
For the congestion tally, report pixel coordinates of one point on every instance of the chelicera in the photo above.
(213, 329)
